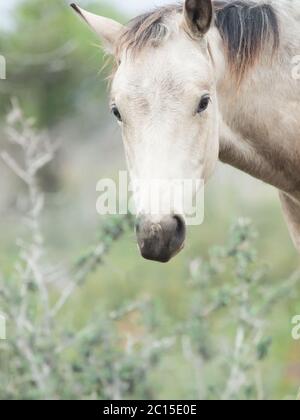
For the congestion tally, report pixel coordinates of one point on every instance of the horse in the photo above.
(204, 81)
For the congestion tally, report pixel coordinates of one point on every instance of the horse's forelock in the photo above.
(148, 29)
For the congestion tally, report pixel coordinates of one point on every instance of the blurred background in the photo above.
(53, 70)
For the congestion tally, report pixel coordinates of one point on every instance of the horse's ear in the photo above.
(107, 29)
(198, 15)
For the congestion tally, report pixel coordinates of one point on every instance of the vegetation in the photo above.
(108, 359)
(49, 54)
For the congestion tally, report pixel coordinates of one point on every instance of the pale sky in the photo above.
(131, 7)
(137, 6)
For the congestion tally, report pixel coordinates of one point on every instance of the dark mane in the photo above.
(246, 27)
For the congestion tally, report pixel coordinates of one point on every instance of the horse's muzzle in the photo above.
(160, 239)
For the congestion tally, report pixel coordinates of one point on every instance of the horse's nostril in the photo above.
(180, 228)
(138, 224)
(137, 227)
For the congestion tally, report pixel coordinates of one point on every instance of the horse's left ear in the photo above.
(107, 29)
(198, 15)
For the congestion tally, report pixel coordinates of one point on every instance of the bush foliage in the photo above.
(223, 336)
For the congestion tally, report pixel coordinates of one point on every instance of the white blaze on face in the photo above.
(167, 142)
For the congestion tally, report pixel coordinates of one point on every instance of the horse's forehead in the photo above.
(147, 81)
(167, 67)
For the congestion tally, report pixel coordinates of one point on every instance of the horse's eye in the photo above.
(203, 104)
(116, 113)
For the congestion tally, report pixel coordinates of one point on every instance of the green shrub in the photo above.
(223, 338)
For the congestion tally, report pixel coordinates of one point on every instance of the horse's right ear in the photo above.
(107, 29)
(198, 16)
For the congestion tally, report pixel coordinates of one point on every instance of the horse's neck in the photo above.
(259, 122)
